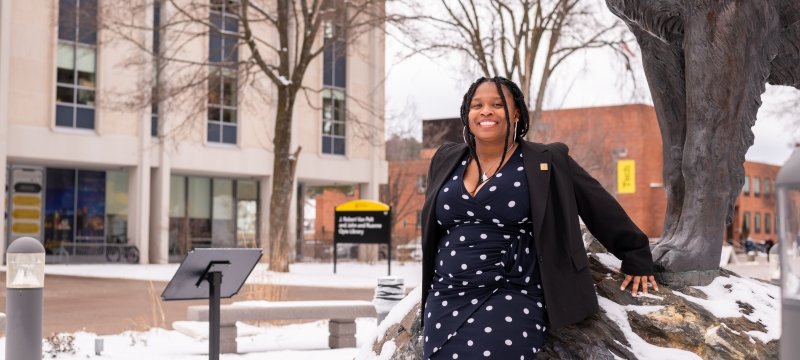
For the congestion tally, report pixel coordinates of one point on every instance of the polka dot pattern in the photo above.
(485, 300)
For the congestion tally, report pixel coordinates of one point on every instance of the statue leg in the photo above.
(726, 66)
(663, 67)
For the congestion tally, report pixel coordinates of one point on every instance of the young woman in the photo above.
(503, 259)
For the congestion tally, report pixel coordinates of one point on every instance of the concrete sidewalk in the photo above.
(111, 306)
(758, 269)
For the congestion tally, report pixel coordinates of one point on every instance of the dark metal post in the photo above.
(390, 257)
(24, 299)
(214, 284)
(334, 255)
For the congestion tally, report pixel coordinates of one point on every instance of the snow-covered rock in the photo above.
(731, 318)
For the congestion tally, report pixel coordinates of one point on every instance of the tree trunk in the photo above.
(283, 171)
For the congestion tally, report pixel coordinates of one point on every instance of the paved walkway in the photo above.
(111, 306)
(758, 269)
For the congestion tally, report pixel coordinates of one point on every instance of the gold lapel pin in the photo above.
(543, 166)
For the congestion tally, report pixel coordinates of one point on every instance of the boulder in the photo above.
(730, 318)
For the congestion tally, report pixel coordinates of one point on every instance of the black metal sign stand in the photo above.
(214, 279)
(209, 266)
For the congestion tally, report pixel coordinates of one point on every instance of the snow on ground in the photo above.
(639, 347)
(349, 274)
(309, 340)
(724, 294)
(395, 316)
(289, 342)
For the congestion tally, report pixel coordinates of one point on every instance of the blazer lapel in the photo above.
(538, 166)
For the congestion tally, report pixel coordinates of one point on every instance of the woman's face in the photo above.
(487, 119)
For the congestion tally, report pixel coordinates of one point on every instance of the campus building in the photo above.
(618, 145)
(754, 212)
(85, 169)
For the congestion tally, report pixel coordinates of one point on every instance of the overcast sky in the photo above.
(424, 88)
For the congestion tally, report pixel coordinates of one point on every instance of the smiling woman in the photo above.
(500, 235)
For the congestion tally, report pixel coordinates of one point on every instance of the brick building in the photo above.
(754, 212)
(598, 139)
(618, 145)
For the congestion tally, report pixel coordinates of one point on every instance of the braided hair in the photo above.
(522, 123)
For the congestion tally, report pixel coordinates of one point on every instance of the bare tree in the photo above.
(523, 40)
(264, 45)
(405, 190)
(782, 104)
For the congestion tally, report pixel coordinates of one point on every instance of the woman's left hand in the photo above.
(637, 281)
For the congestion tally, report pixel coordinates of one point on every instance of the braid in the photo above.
(519, 100)
(470, 138)
(508, 123)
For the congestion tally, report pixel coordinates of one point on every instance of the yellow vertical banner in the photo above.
(626, 176)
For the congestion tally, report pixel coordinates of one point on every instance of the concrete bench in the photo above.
(342, 315)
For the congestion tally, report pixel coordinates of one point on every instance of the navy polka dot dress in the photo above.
(486, 299)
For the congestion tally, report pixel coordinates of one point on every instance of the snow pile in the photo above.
(609, 260)
(395, 316)
(725, 293)
(289, 342)
(642, 349)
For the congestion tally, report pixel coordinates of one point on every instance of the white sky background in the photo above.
(426, 88)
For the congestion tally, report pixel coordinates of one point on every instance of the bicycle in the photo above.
(119, 249)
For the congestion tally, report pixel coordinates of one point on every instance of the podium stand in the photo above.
(200, 276)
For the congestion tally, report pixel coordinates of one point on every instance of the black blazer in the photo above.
(560, 191)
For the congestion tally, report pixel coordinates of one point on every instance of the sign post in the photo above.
(200, 277)
(363, 222)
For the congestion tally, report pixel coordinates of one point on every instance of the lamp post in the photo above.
(787, 187)
(24, 299)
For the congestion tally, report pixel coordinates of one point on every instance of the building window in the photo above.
(76, 73)
(746, 223)
(84, 211)
(156, 55)
(212, 212)
(757, 223)
(756, 186)
(223, 55)
(334, 76)
(746, 187)
(334, 57)
(333, 122)
(422, 180)
(767, 223)
(766, 187)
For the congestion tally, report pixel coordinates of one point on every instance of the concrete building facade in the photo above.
(84, 171)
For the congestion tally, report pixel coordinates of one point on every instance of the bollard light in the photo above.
(25, 265)
(389, 292)
(787, 188)
(24, 299)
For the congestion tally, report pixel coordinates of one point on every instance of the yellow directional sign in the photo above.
(31, 214)
(25, 228)
(27, 200)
